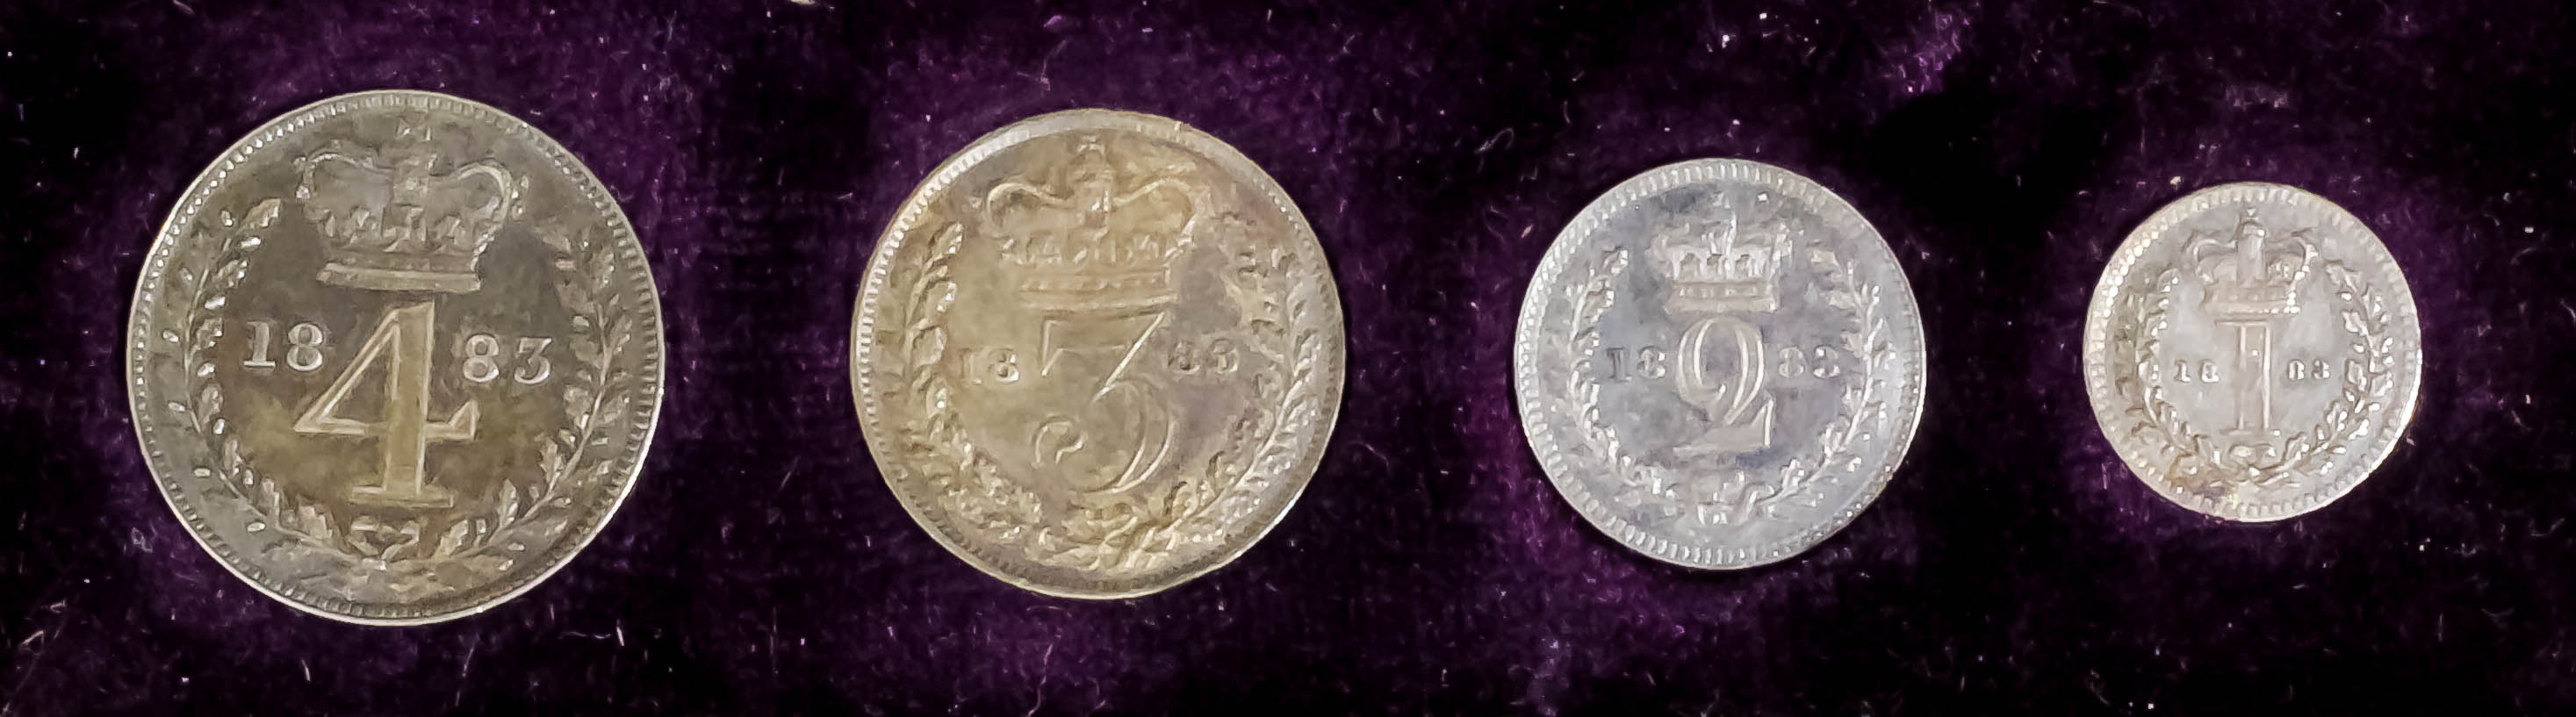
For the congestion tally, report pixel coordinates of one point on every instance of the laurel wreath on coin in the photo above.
(1650, 487)
(1115, 536)
(227, 249)
(2186, 451)
(970, 486)
(585, 281)
(1642, 486)
(395, 554)
(2365, 318)
(1861, 407)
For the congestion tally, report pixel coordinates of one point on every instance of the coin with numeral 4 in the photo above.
(395, 357)
(1097, 353)
(1719, 363)
(2252, 351)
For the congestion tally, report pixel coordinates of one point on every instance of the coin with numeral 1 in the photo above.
(1097, 353)
(395, 357)
(2252, 351)
(1719, 363)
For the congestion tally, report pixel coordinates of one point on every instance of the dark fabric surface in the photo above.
(2004, 148)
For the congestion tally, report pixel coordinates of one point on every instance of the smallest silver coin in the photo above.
(2252, 351)
(1719, 363)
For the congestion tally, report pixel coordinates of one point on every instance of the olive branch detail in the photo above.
(2157, 422)
(601, 330)
(967, 483)
(393, 555)
(291, 522)
(1643, 485)
(1128, 537)
(1861, 406)
(2365, 318)
(2187, 452)
(1122, 536)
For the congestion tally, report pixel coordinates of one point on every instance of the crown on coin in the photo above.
(2249, 275)
(399, 217)
(1094, 238)
(1723, 266)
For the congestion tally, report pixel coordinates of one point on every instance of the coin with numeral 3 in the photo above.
(1097, 353)
(395, 357)
(1719, 363)
(2252, 351)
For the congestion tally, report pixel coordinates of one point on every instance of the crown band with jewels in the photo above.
(393, 219)
(1723, 269)
(1080, 244)
(2249, 276)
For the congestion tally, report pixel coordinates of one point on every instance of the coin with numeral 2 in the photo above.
(1719, 363)
(395, 357)
(1097, 353)
(2252, 351)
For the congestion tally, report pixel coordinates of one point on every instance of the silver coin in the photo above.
(1097, 354)
(2252, 351)
(395, 358)
(1719, 363)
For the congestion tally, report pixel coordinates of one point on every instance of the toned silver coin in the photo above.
(1097, 353)
(395, 357)
(2252, 351)
(1719, 363)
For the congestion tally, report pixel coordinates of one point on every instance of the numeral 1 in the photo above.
(2204, 371)
(1649, 362)
(303, 345)
(259, 337)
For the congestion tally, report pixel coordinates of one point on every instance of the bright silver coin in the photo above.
(2252, 351)
(1719, 363)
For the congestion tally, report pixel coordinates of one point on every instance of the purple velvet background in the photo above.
(762, 567)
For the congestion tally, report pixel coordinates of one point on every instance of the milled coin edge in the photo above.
(1830, 206)
(2108, 407)
(629, 256)
(1207, 147)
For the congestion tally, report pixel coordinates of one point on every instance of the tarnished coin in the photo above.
(1719, 363)
(2252, 351)
(1097, 353)
(395, 357)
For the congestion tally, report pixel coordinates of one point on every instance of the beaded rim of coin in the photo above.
(1329, 373)
(2113, 409)
(1839, 216)
(627, 259)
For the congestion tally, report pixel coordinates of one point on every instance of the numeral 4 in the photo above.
(402, 340)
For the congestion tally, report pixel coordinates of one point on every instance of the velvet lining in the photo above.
(761, 567)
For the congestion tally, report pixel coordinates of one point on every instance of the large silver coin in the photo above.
(395, 358)
(1097, 354)
(1719, 363)
(2252, 351)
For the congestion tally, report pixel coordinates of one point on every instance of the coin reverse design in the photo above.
(395, 358)
(1719, 363)
(1097, 354)
(2252, 351)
